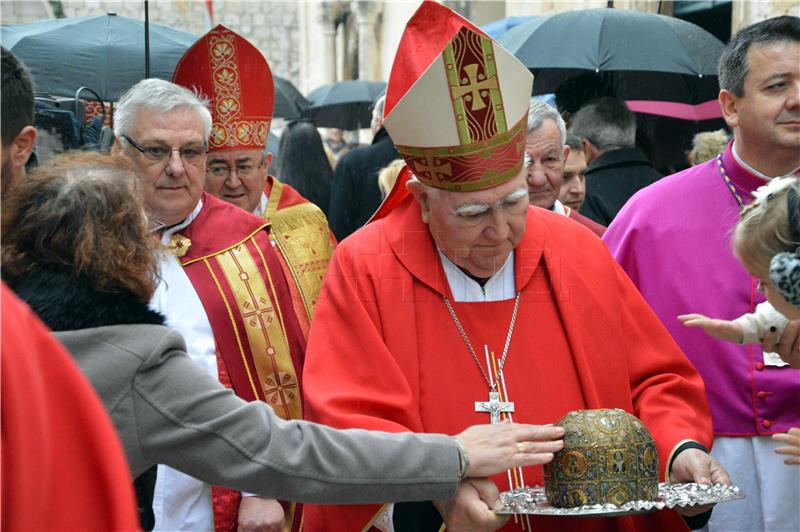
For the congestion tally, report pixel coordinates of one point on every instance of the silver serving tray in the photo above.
(534, 501)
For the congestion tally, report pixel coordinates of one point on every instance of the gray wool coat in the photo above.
(168, 410)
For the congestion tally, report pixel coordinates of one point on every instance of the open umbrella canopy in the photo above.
(289, 103)
(637, 56)
(344, 105)
(497, 28)
(104, 53)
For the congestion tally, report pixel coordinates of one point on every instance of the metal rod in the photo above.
(146, 39)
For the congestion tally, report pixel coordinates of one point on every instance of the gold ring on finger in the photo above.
(520, 447)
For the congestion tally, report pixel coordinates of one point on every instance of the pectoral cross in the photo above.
(494, 407)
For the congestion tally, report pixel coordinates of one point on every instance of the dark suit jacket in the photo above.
(355, 194)
(612, 178)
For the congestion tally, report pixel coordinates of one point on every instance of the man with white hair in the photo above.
(222, 286)
(460, 304)
(617, 168)
(355, 194)
(546, 146)
(237, 165)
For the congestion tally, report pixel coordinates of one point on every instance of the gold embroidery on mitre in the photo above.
(431, 167)
(471, 72)
(469, 167)
(229, 127)
(179, 245)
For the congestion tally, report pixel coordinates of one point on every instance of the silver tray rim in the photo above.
(662, 502)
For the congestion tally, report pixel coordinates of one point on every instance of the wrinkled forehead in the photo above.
(181, 124)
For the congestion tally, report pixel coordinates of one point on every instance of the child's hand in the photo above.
(792, 440)
(788, 346)
(719, 329)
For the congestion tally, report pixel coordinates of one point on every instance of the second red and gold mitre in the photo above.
(456, 103)
(233, 75)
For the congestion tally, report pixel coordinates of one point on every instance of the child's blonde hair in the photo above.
(764, 229)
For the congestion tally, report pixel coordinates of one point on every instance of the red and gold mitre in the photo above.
(233, 75)
(457, 103)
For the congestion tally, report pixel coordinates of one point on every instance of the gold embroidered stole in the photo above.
(302, 235)
(247, 317)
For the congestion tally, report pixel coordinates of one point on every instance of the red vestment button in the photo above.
(762, 394)
(766, 423)
(759, 366)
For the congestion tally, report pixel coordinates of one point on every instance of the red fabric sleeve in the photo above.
(63, 467)
(667, 392)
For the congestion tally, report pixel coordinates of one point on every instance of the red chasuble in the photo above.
(384, 353)
(63, 467)
(235, 271)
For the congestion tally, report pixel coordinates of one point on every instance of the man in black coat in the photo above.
(355, 194)
(617, 168)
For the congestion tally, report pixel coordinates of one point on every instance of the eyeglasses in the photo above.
(191, 154)
(243, 170)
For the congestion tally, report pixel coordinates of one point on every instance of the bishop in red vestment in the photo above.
(223, 287)
(234, 76)
(459, 289)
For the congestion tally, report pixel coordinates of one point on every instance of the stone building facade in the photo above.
(314, 42)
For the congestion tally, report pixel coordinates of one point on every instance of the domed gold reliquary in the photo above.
(609, 456)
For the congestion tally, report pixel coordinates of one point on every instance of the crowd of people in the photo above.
(188, 344)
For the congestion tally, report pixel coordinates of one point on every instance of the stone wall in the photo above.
(24, 12)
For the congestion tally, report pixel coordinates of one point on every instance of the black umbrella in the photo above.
(628, 54)
(105, 53)
(289, 103)
(344, 105)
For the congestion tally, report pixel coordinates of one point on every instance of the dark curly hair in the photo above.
(82, 212)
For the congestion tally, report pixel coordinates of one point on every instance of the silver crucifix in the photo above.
(494, 407)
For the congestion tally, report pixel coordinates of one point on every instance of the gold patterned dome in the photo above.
(609, 456)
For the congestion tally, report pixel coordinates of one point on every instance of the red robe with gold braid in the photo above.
(385, 354)
(237, 275)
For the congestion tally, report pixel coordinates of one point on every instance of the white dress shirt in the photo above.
(181, 502)
(465, 289)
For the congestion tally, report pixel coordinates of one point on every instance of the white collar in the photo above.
(498, 287)
(262, 207)
(558, 208)
(753, 170)
(167, 234)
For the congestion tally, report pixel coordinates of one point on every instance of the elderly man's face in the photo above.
(476, 230)
(573, 190)
(768, 114)
(171, 187)
(237, 177)
(546, 172)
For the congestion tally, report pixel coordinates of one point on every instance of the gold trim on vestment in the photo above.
(223, 250)
(302, 235)
(374, 517)
(234, 328)
(264, 330)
